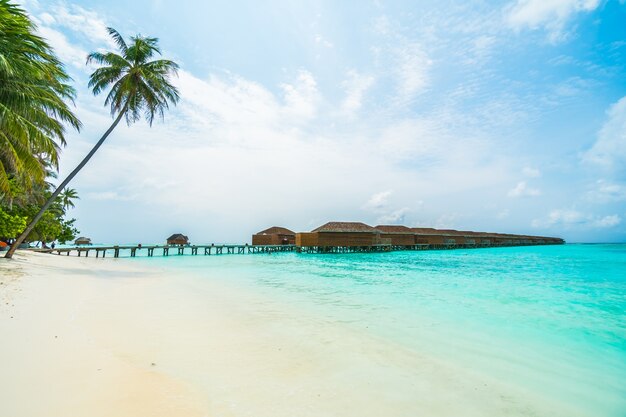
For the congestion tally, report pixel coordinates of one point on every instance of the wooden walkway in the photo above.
(166, 250)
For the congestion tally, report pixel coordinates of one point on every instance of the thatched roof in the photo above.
(82, 241)
(346, 227)
(177, 236)
(275, 230)
(395, 228)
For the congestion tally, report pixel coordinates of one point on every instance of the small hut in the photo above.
(178, 239)
(82, 241)
(274, 236)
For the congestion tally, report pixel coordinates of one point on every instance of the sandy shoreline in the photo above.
(115, 338)
(53, 365)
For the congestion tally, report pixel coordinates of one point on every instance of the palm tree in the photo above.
(67, 198)
(33, 101)
(139, 85)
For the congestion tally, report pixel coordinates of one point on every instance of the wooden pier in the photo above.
(207, 250)
(167, 250)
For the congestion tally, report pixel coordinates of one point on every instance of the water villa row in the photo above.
(332, 237)
(360, 237)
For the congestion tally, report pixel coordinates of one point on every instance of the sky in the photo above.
(504, 116)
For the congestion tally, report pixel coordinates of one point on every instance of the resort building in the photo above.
(341, 234)
(397, 235)
(428, 236)
(178, 239)
(274, 236)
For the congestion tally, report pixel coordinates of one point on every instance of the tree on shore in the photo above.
(34, 98)
(34, 109)
(139, 87)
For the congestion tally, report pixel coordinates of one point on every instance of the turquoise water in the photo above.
(549, 320)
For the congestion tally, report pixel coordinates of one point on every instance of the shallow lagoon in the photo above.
(549, 321)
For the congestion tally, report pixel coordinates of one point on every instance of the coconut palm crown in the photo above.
(139, 84)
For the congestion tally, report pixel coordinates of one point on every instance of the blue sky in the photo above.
(502, 116)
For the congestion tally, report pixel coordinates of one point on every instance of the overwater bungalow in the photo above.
(452, 237)
(428, 236)
(274, 236)
(340, 234)
(82, 241)
(178, 239)
(398, 235)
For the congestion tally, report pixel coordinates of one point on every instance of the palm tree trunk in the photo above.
(60, 188)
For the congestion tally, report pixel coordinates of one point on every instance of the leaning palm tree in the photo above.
(139, 85)
(34, 96)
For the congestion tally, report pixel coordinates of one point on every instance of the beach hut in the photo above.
(274, 236)
(178, 239)
(82, 241)
(341, 234)
(398, 235)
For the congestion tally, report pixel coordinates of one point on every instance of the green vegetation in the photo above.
(33, 113)
(33, 110)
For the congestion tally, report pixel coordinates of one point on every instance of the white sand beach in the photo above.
(93, 337)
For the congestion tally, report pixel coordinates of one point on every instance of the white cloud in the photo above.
(71, 30)
(68, 52)
(47, 18)
(531, 172)
(560, 217)
(378, 201)
(608, 221)
(302, 96)
(107, 195)
(605, 192)
(609, 150)
(85, 22)
(523, 190)
(412, 70)
(446, 221)
(394, 217)
(355, 86)
(569, 218)
(549, 14)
